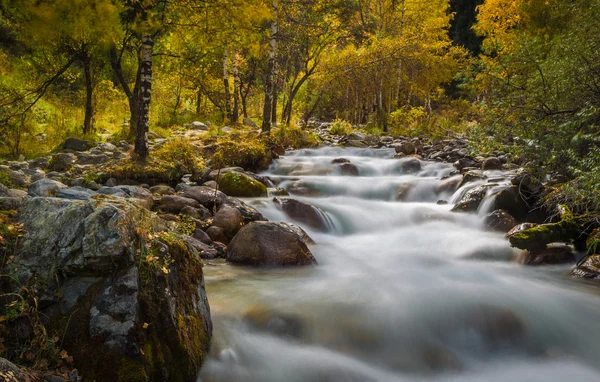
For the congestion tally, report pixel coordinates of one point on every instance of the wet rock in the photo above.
(471, 200)
(303, 213)
(404, 190)
(550, 256)
(174, 203)
(250, 214)
(410, 166)
(588, 269)
(45, 187)
(463, 163)
(449, 185)
(495, 325)
(537, 236)
(277, 192)
(349, 169)
(200, 213)
(241, 185)
(202, 236)
(471, 176)
(491, 164)
(340, 161)
(268, 244)
(500, 220)
(281, 324)
(217, 234)
(510, 200)
(230, 220)
(406, 148)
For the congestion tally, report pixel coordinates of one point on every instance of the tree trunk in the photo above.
(198, 103)
(270, 77)
(226, 84)
(144, 94)
(274, 108)
(88, 121)
(235, 116)
(287, 111)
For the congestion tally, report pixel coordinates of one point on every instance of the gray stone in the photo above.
(76, 193)
(76, 144)
(45, 187)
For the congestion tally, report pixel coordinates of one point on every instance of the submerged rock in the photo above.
(269, 244)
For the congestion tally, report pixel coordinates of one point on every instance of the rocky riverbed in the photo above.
(119, 266)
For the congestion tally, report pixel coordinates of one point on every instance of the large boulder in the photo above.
(61, 162)
(206, 196)
(241, 185)
(269, 244)
(127, 292)
(537, 236)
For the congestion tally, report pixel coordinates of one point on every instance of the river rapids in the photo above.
(404, 290)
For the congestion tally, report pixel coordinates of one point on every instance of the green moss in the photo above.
(5, 179)
(131, 371)
(240, 185)
(538, 237)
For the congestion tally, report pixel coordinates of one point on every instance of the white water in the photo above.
(404, 291)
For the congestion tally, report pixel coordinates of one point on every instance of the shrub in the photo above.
(340, 127)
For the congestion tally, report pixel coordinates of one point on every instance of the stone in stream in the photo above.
(491, 163)
(410, 166)
(269, 244)
(241, 185)
(349, 169)
(471, 176)
(588, 269)
(263, 317)
(406, 148)
(471, 200)
(550, 256)
(124, 323)
(230, 220)
(510, 200)
(500, 220)
(303, 213)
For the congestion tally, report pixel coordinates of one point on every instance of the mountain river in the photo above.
(404, 290)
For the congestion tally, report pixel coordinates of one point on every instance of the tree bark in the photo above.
(270, 77)
(226, 84)
(198, 103)
(144, 96)
(88, 120)
(235, 115)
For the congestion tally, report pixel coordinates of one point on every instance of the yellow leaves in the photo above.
(145, 325)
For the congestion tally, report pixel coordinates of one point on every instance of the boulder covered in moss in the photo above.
(269, 244)
(241, 185)
(537, 236)
(123, 291)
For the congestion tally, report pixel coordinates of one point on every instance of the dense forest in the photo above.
(522, 73)
(187, 104)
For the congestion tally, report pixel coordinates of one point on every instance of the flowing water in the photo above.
(404, 290)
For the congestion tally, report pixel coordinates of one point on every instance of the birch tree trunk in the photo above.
(270, 77)
(144, 97)
(235, 115)
(226, 84)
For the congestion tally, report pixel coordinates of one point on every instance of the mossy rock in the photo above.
(531, 236)
(241, 185)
